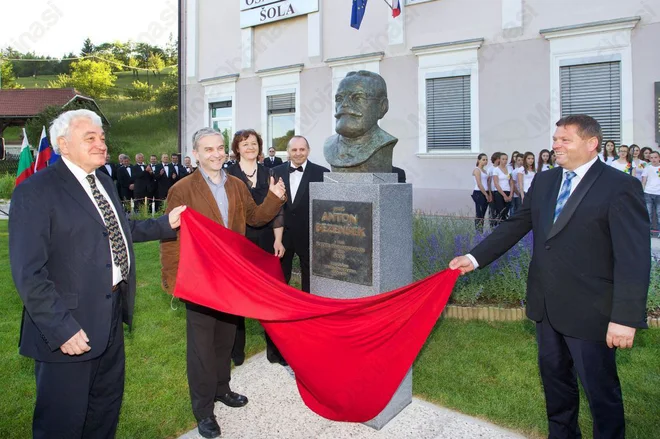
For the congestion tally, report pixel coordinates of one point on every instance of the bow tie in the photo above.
(292, 169)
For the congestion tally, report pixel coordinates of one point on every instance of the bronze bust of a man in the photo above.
(360, 145)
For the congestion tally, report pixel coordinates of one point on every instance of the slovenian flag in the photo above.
(396, 8)
(25, 161)
(357, 13)
(43, 153)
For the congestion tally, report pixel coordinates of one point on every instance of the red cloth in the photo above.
(349, 355)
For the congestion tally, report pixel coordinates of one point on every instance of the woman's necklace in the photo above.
(249, 175)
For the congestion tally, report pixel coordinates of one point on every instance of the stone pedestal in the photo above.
(361, 245)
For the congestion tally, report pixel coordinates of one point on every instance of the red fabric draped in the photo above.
(349, 355)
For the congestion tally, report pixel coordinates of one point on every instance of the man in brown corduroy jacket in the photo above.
(210, 334)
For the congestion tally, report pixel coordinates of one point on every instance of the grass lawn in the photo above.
(483, 369)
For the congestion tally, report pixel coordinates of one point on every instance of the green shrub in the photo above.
(167, 96)
(7, 182)
(141, 91)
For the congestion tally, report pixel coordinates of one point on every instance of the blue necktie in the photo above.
(564, 193)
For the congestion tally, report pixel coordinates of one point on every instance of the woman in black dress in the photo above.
(246, 146)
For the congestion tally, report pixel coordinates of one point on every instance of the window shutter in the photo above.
(594, 89)
(448, 124)
(284, 103)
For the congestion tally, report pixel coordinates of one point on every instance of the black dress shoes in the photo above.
(208, 427)
(232, 399)
(238, 361)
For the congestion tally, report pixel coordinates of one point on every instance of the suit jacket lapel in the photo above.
(76, 191)
(576, 197)
(548, 208)
(286, 177)
(205, 191)
(304, 183)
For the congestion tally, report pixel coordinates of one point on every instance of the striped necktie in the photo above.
(564, 193)
(119, 253)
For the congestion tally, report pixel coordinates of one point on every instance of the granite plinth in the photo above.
(391, 247)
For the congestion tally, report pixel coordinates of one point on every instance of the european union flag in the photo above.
(357, 13)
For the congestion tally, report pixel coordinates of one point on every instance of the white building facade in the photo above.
(463, 76)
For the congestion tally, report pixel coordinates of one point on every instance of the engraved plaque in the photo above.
(342, 239)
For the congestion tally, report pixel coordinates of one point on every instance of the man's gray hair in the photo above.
(203, 132)
(60, 126)
(122, 156)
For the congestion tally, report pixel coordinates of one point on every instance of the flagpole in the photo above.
(390, 6)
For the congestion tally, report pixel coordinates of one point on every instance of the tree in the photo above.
(88, 48)
(155, 63)
(7, 76)
(92, 78)
(133, 63)
(167, 96)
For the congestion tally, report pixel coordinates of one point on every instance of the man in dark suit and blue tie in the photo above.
(588, 278)
(272, 161)
(71, 256)
(297, 174)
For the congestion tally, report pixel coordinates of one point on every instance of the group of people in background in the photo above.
(501, 185)
(146, 183)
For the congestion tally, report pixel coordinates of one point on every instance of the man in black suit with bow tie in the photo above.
(272, 161)
(143, 178)
(125, 181)
(165, 177)
(297, 174)
(109, 169)
(588, 278)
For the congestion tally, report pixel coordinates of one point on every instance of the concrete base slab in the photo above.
(276, 410)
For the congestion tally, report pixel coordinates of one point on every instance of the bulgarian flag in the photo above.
(43, 153)
(25, 161)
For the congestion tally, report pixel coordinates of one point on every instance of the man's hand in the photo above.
(620, 336)
(76, 345)
(173, 176)
(131, 186)
(279, 249)
(461, 263)
(175, 216)
(148, 169)
(277, 188)
(162, 171)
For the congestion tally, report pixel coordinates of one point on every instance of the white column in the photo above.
(247, 47)
(191, 38)
(314, 35)
(512, 14)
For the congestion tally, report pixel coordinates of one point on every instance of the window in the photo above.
(220, 113)
(448, 121)
(448, 99)
(594, 89)
(281, 109)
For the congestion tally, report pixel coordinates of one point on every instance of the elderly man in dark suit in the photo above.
(125, 181)
(588, 278)
(71, 255)
(297, 175)
(143, 178)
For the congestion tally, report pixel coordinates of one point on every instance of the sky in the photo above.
(57, 27)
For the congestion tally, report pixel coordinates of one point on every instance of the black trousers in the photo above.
(561, 360)
(82, 399)
(501, 207)
(238, 351)
(480, 207)
(210, 337)
(301, 248)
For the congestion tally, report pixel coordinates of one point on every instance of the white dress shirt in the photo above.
(108, 167)
(294, 180)
(580, 172)
(167, 170)
(81, 176)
